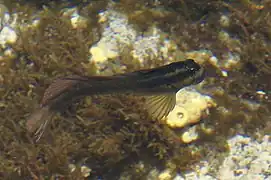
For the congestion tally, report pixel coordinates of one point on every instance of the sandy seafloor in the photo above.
(231, 108)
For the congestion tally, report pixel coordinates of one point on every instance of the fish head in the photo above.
(197, 72)
(187, 73)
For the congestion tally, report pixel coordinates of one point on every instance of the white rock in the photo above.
(224, 21)
(7, 36)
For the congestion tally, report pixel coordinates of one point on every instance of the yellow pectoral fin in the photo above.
(160, 106)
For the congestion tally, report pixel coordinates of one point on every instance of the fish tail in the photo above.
(38, 121)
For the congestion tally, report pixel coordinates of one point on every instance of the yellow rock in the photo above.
(98, 54)
(190, 135)
(85, 171)
(200, 57)
(178, 117)
(101, 52)
(102, 17)
(165, 175)
(207, 129)
(190, 107)
(72, 167)
(79, 22)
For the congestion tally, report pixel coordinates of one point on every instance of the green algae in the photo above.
(107, 133)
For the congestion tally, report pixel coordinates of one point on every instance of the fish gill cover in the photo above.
(111, 137)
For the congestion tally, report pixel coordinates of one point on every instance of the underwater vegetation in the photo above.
(112, 134)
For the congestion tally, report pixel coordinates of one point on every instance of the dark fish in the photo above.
(159, 85)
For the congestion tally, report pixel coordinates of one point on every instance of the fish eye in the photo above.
(192, 69)
(191, 65)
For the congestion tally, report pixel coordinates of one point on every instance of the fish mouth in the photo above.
(200, 76)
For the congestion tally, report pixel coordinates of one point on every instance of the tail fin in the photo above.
(38, 122)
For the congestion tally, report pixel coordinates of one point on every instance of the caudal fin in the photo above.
(38, 121)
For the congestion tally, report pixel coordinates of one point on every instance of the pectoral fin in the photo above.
(160, 106)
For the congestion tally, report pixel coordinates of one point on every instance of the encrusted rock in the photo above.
(190, 107)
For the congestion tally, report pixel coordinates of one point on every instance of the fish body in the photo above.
(161, 80)
(159, 85)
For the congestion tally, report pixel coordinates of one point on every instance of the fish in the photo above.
(159, 85)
